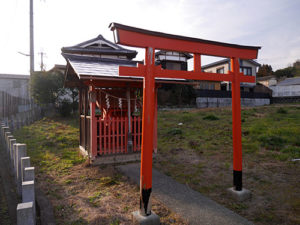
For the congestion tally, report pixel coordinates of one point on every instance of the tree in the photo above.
(296, 64)
(265, 70)
(47, 87)
(286, 72)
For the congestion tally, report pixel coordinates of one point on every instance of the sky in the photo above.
(272, 24)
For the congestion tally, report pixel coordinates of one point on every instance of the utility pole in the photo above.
(31, 38)
(42, 61)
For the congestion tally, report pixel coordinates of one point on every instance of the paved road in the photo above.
(189, 204)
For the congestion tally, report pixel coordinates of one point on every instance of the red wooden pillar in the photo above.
(93, 122)
(147, 134)
(155, 122)
(236, 125)
(197, 62)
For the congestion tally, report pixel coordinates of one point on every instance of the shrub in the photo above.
(211, 117)
(175, 131)
(272, 142)
(65, 108)
(282, 111)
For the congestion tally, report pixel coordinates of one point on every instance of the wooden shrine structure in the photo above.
(152, 41)
(110, 106)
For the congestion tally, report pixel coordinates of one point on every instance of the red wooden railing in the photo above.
(112, 133)
(136, 133)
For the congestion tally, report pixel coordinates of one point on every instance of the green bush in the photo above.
(65, 108)
(272, 142)
(282, 111)
(174, 131)
(211, 117)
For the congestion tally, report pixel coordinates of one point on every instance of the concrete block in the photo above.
(25, 215)
(25, 162)
(15, 158)
(11, 145)
(139, 219)
(8, 143)
(28, 191)
(21, 152)
(3, 131)
(240, 196)
(7, 133)
(29, 174)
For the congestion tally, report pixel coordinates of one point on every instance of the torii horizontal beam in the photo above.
(137, 37)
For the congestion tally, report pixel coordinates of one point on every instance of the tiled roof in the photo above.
(88, 48)
(290, 81)
(223, 61)
(96, 66)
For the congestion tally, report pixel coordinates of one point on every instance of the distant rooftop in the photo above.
(98, 46)
(223, 61)
(290, 81)
(14, 76)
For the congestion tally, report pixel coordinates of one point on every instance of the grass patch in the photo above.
(273, 142)
(282, 111)
(200, 156)
(210, 117)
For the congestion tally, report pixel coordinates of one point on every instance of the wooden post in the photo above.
(155, 122)
(236, 126)
(147, 134)
(129, 136)
(93, 123)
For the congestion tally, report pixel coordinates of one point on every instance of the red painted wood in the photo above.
(108, 134)
(113, 120)
(135, 39)
(126, 134)
(104, 135)
(155, 123)
(197, 62)
(122, 143)
(147, 123)
(179, 74)
(118, 136)
(236, 118)
(93, 127)
(100, 136)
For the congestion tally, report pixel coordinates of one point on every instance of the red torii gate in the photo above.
(151, 41)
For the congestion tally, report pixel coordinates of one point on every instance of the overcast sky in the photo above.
(272, 24)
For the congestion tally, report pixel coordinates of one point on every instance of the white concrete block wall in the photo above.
(205, 102)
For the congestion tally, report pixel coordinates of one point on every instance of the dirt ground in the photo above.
(4, 216)
(96, 195)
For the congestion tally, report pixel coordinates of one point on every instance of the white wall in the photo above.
(285, 91)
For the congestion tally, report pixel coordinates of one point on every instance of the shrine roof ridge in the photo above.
(86, 58)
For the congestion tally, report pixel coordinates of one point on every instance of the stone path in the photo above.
(189, 204)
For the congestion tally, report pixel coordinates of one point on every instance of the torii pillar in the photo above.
(150, 40)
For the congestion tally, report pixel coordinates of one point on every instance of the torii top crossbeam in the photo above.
(151, 40)
(137, 37)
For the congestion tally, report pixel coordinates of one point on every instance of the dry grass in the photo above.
(81, 194)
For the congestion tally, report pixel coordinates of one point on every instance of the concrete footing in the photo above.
(139, 219)
(242, 195)
(25, 214)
